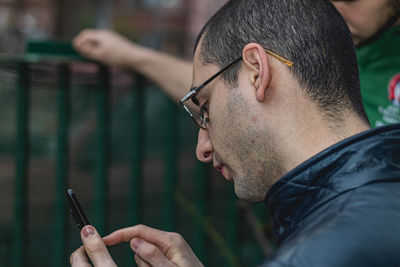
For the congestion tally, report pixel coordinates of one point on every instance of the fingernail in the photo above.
(88, 231)
(135, 242)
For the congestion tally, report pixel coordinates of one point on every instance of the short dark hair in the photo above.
(311, 33)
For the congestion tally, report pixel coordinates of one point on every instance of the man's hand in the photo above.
(95, 249)
(172, 74)
(106, 46)
(154, 247)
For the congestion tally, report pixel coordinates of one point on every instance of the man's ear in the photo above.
(256, 60)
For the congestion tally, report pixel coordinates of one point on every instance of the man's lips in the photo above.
(221, 169)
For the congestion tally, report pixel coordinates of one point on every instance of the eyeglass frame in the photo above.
(192, 94)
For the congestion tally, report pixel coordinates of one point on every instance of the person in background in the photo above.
(275, 94)
(374, 24)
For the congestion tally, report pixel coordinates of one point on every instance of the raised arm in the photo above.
(172, 74)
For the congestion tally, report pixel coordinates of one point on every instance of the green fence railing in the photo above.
(151, 177)
(63, 103)
(20, 229)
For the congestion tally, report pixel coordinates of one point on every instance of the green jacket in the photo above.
(379, 67)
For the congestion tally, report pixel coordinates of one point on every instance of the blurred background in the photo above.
(126, 149)
(171, 25)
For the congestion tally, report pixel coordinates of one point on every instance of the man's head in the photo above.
(258, 109)
(367, 19)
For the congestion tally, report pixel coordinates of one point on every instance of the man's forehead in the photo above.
(202, 72)
(198, 66)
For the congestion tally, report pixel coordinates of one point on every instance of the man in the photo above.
(374, 24)
(275, 93)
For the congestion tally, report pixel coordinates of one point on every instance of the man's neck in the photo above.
(314, 133)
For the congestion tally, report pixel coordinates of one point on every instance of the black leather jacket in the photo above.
(341, 207)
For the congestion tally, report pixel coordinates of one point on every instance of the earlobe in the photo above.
(255, 58)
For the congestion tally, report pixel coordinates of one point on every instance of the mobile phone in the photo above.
(76, 210)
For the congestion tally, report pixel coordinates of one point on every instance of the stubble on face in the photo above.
(247, 148)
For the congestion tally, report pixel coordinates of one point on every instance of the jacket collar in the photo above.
(351, 163)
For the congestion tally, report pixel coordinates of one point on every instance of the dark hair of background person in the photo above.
(311, 33)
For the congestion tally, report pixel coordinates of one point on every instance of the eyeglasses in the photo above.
(200, 114)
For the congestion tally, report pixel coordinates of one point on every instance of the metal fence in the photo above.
(141, 172)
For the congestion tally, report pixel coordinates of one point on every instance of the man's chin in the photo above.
(248, 198)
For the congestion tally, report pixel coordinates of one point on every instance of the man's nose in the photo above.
(204, 149)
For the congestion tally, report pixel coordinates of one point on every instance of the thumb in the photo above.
(95, 247)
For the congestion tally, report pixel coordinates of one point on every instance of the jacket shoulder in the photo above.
(361, 231)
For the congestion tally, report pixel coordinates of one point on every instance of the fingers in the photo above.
(149, 243)
(104, 39)
(105, 46)
(125, 234)
(140, 262)
(79, 259)
(95, 247)
(148, 253)
(90, 42)
(152, 235)
(87, 35)
(81, 38)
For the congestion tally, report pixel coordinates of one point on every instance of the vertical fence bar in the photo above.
(63, 102)
(171, 144)
(202, 192)
(136, 188)
(135, 205)
(21, 170)
(103, 137)
(232, 223)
